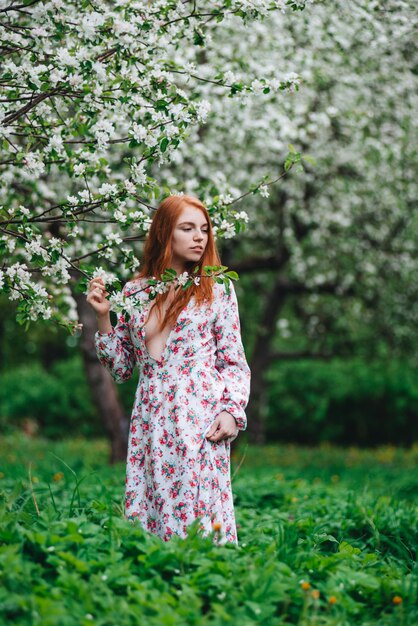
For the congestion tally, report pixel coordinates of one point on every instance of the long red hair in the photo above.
(158, 254)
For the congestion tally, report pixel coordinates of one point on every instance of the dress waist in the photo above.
(150, 363)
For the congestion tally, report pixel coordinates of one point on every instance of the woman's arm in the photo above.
(114, 348)
(230, 357)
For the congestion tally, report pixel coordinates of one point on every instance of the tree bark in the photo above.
(103, 389)
(261, 358)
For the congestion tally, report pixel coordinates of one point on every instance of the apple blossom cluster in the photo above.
(121, 303)
(17, 283)
(97, 98)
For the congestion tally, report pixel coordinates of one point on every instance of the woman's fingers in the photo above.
(98, 287)
(213, 428)
(96, 282)
(97, 295)
(223, 427)
(217, 438)
(220, 434)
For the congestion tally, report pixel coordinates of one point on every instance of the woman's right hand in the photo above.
(96, 297)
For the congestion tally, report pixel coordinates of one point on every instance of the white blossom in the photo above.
(182, 279)
(202, 110)
(228, 229)
(79, 169)
(138, 132)
(129, 186)
(138, 173)
(107, 189)
(243, 216)
(24, 210)
(114, 238)
(33, 164)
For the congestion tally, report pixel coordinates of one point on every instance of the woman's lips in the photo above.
(197, 249)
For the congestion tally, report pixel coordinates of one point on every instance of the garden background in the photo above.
(295, 123)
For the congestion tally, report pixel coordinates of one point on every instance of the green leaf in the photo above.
(198, 39)
(187, 284)
(161, 105)
(164, 144)
(346, 548)
(72, 560)
(309, 159)
(169, 273)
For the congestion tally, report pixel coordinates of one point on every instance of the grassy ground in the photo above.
(328, 536)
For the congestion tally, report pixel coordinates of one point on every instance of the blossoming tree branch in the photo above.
(332, 250)
(95, 98)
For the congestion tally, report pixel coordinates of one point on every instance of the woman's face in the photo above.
(190, 236)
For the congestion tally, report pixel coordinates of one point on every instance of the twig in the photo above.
(240, 463)
(31, 489)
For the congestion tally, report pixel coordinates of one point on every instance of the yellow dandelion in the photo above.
(332, 600)
(58, 476)
(216, 526)
(315, 594)
(305, 585)
(397, 600)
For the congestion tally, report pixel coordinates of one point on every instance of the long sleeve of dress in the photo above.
(115, 350)
(230, 358)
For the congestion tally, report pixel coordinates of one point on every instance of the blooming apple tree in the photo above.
(96, 98)
(341, 236)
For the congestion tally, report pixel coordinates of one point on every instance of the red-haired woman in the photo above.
(194, 380)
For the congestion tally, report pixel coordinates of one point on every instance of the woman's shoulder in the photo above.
(222, 293)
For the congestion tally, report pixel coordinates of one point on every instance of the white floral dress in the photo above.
(174, 474)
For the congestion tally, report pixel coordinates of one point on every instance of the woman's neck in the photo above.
(179, 267)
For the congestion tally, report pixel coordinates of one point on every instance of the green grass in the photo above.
(327, 537)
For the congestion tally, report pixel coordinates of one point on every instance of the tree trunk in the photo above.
(103, 389)
(261, 358)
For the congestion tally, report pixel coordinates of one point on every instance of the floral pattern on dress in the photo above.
(174, 474)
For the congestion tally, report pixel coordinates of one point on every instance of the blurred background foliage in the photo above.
(368, 397)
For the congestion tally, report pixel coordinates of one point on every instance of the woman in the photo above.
(193, 385)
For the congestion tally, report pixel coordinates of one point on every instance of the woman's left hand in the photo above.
(223, 427)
